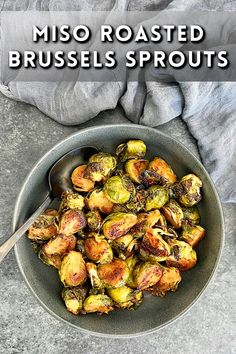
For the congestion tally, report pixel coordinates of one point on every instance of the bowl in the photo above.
(155, 312)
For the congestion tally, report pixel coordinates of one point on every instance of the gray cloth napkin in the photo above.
(209, 109)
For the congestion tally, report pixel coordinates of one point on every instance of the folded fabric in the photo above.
(209, 109)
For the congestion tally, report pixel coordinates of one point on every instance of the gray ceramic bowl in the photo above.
(155, 312)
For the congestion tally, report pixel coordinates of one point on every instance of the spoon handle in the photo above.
(7, 245)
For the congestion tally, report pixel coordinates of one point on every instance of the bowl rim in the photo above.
(222, 233)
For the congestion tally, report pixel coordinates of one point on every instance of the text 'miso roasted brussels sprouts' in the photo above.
(129, 226)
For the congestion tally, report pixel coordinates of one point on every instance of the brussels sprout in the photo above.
(150, 178)
(192, 215)
(118, 224)
(53, 260)
(73, 298)
(131, 150)
(43, 228)
(80, 245)
(123, 241)
(98, 303)
(71, 201)
(51, 212)
(137, 203)
(71, 222)
(114, 274)
(192, 234)
(169, 281)
(145, 221)
(125, 297)
(60, 245)
(157, 198)
(100, 166)
(94, 220)
(188, 190)
(162, 168)
(98, 200)
(131, 262)
(119, 189)
(153, 247)
(134, 168)
(182, 255)
(93, 275)
(173, 213)
(73, 270)
(147, 274)
(124, 245)
(98, 250)
(80, 183)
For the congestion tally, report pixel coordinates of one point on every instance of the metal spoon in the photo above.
(59, 181)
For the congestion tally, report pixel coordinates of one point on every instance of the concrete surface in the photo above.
(209, 327)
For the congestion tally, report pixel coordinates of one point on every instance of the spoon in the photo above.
(59, 181)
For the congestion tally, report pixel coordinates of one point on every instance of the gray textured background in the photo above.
(209, 327)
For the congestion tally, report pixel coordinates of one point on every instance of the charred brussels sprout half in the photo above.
(157, 197)
(133, 149)
(192, 234)
(182, 255)
(80, 183)
(162, 168)
(114, 274)
(125, 215)
(119, 189)
(134, 168)
(99, 303)
(153, 247)
(192, 215)
(73, 298)
(94, 220)
(71, 222)
(118, 224)
(73, 270)
(100, 167)
(188, 190)
(97, 200)
(71, 201)
(98, 250)
(173, 213)
(147, 274)
(169, 281)
(44, 228)
(125, 297)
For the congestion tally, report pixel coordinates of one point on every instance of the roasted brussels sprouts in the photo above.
(192, 234)
(73, 270)
(169, 281)
(192, 215)
(145, 221)
(134, 168)
(137, 202)
(149, 178)
(80, 183)
(125, 297)
(147, 274)
(188, 190)
(99, 303)
(93, 275)
(98, 250)
(98, 200)
(71, 222)
(119, 189)
(157, 198)
(173, 213)
(60, 245)
(182, 255)
(53, 260)
(43, 228)
(162, 168)
(153, 247)
(71, 201)
(100, 166)
(133, 149)
(114, 274)
(94, 220)
(118, 224)
(73, 298)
